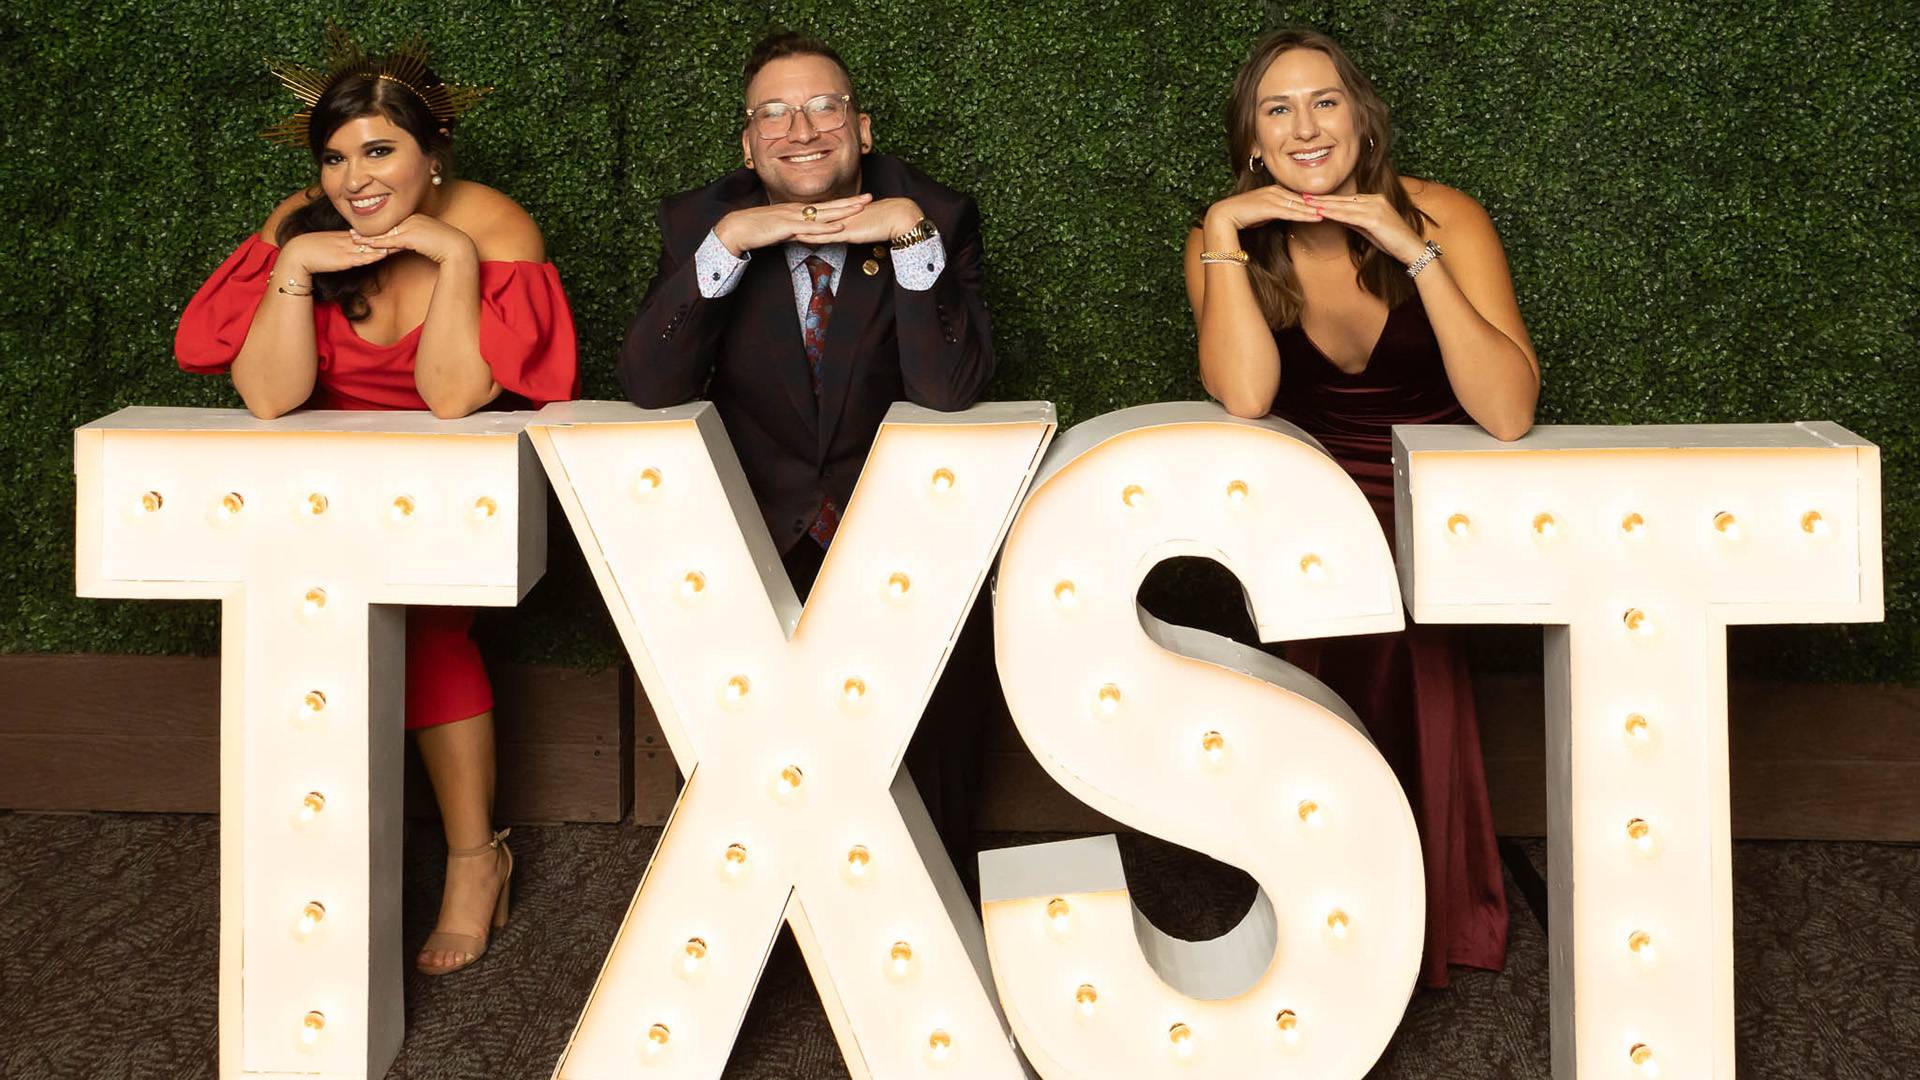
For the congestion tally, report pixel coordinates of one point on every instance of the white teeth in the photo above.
(808, 157)
(364, 204)
(1315, 155)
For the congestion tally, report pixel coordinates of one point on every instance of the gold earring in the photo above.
(1254, 161)
(749, 163)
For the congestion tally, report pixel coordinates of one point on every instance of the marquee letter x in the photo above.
(790, 724)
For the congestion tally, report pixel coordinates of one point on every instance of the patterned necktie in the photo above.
(813, 338)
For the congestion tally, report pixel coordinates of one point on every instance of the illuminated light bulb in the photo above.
(151, 501)
(1638, 729)
(402, 508)
(939, 1046)
(316, 504)
(1310, 813)
(1181, 1036)
(1633, 525)
(695, 951)
(315, 599)
(942, 480)
(853, 689)
(484, 507)
(859, 859)
(693, 584)
(1086, 997)
(1640, 833)
(1642, 1056)
(647, 483)
(1311, 566)
(311, 806)
(1109, 699)
(1058, 915)
(1813, 524)
(1063, 594)
(900, 959)
(232, 503)
(1640, 943)
(1237, 491)
(898, 584)
(1459, 525)
(1337, 923)
(1726, 525)
(657, 1038)
(313, 703)
(736, 858)
(1288, 1025)
(1214, 746)
(1133, 495)
(789, 782)
(311, 915)
(1544, 526)
(736, 690)
(1637, 621)
(311, 1026)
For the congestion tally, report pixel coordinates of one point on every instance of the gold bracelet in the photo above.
(284, 287)
(1239, 257)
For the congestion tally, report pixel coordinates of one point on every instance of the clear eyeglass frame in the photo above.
(826, 112)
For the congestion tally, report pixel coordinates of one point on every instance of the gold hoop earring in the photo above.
(1254, 161)
(1369, 144)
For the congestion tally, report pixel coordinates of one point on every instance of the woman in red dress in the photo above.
(392, 285)
(1322, 296)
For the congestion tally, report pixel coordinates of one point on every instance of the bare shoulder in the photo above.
(501, 230)
(270, 230)
(1452, 210)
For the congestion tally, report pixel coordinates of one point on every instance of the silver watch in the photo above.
(1433, 252)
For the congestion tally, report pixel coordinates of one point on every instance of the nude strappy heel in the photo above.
(472, 947)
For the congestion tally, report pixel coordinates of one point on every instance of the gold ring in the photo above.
(808, 213)
(361, 249)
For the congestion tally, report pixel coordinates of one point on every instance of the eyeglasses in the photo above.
(826, 112)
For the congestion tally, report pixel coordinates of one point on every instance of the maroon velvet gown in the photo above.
(1411, 689)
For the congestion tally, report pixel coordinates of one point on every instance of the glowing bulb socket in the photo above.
(311, 1026)
(735, 691)
(1311, 566)
(1459, 525)
(151, 501)
(1640, 833)
(1337, 923)
(898, 585)
(403, 507)
(900, 958)
(1064, 594)
(1641, 1055)
(1058, 913)
(1640, 943)
(1638, 729)
(311, 915)
(1636, 621)
(646, 484)
(1726, 525)
(314, 703)
(1109, 699)
(232, 503)
(311, 806)
(484, 507)
(942, 480)
(1237, 491)
(693, 583)
(657, 1038)
(735, 859)
(1133, 495)
(1813, 524)
(1086, 997)
(859, 859)
(315, 601)
(1544, 525)
(853, 689)
(316, 504)
(1633, 525)
(1309, 812)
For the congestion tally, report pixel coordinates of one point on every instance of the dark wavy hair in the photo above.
(351, 98)
(1275, 284)
(778, 44)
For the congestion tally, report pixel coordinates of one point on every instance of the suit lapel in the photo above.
(855, 305)
(769, 303)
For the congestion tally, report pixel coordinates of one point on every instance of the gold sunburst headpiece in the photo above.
(406, 66)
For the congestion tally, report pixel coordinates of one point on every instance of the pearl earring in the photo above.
(436, 179)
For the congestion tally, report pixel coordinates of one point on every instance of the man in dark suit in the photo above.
(804, 294)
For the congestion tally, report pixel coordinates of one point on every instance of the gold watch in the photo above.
(922, 230)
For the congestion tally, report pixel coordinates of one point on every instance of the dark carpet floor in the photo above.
(108, 929)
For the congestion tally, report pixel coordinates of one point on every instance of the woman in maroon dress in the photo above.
(1323, 297)
(391, 285)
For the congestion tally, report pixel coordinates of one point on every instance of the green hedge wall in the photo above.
(1710, 211)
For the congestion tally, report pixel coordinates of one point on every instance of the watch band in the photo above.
(1433, 252)
(922, 230)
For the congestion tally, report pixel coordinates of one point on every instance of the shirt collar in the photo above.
(834, 254)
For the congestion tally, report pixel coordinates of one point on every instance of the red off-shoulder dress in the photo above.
(526, 337)
(1411, 689)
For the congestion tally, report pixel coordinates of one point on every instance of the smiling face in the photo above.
(1306, 125)
(375, 173)
(805, 164)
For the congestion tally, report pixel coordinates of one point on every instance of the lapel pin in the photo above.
(870, 267)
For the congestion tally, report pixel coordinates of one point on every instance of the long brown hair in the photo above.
(1275, 284)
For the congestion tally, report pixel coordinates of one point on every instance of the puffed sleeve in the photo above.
(215, 324)
(526, 331)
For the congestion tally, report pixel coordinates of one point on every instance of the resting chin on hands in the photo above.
(764, 226)
(425, 235)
